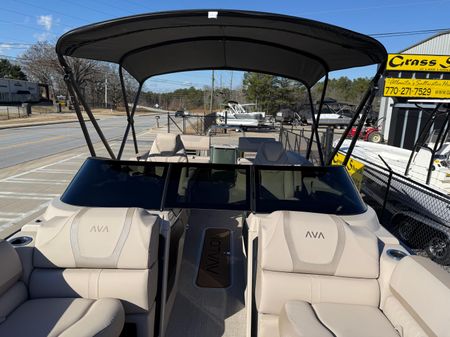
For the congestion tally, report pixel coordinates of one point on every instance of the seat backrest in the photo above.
(196, 143)
(12, 291)
(167, 147)
(271, 153)
(315, 258)
(98, 252)
(420, 300)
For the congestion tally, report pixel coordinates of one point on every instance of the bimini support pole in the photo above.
(421, 139)
(130, 116)
(322, 99)
(67, 79)
(86, 107)
(442, 132)
(314, 131)
(366, 101)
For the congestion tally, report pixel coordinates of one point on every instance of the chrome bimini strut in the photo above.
(364, 108)
(130, 116)
(425, 132)
(78, 98)
(315, 122)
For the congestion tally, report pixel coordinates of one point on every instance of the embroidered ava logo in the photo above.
(314, 235)
(99, 229)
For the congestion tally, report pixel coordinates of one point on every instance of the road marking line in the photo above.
(31, 194)
(24, 197)
(24, 215)
(6, 219)
(39, 180)
(42, 167)
(32, 182)
(43, 140)
(57, 171)
(7, 214)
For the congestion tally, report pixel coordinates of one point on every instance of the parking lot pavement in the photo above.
(26, 192)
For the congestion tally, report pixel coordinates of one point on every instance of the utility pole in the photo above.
(212, 94)
(231, 82)
(106, 92)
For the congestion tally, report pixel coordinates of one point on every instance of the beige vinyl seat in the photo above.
(319, 277)
(167, 147)
(23, 316)
(418, 305)
(316, 268)
(197, 148)
(95, 254)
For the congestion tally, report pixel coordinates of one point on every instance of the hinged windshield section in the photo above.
(261, 189)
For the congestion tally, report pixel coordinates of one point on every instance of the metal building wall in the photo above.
(437, 45)
(400, 125)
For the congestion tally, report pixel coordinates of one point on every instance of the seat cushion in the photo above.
(65, 317)
(113, 238)
(420, 301)
(324, 245)
(300, 319)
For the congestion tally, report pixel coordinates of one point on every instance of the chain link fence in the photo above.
(297, 140)
(9, 112)
(416, 214)
(190, 125)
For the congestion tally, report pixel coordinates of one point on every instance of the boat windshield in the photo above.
(262, 189)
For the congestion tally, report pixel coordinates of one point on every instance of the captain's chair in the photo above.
(167, 147)
(322, 271)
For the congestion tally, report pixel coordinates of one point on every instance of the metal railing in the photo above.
(297, 140)
(190, 125)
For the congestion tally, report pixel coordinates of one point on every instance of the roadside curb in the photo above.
(14, 126)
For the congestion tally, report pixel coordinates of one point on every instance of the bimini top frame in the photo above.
(159, 43)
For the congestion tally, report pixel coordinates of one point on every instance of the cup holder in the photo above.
(21, 241)
(396, 254)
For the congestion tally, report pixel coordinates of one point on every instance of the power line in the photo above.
(54, 11)
(90, 8)
(409, 33)
(355, 9)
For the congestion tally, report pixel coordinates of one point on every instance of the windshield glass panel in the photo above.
(107, 183)
(311, 189)
(203, 186)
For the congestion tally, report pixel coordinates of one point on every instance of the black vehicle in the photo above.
(179, 113)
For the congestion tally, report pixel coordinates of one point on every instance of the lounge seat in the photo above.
(301, 319)
(418, 306)
(65, 317)
(319, 262)
(167, 148)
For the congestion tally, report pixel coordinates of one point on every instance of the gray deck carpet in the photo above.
(209, 312)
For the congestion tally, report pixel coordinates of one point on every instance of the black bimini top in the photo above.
(159, 43)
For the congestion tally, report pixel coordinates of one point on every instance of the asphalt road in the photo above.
(23, 144)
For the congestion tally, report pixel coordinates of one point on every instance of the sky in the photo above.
(25, 22)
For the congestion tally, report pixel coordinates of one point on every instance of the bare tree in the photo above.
(40, 63)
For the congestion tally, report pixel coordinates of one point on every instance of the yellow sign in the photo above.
(354, 168)
(408, 87)
(409, 62)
